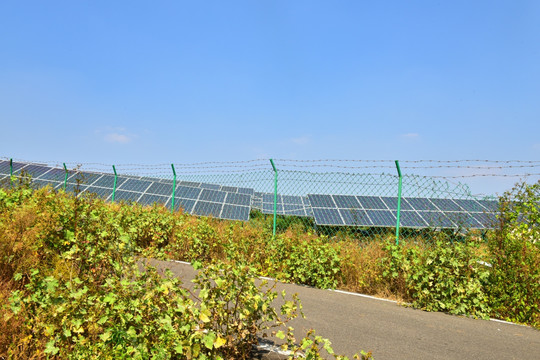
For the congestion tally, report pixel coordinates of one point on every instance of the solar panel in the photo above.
(127, 195)
(411, 219)
(187, 192)
(384, 218)
(159, 188)
(212, 195)
(206, 208)
(354, 217)
(321, 201)
(446, 205)
(238, 199)
(99, 191)
(372, 202)
(346, 201)
(392, 203)
(55, 174)
(437, 219)
(420, 203)
(186, 204)
(327, 216)
(134, 185)
(233, 212)
(149, 199)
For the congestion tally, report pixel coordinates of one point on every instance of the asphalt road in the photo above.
(391, 331)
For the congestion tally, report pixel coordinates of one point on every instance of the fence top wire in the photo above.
(439, 169)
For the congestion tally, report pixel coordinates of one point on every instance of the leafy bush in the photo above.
(515, 250)
(449, 278)
(71, 287)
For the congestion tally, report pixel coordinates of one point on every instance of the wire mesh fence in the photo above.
(334, 198)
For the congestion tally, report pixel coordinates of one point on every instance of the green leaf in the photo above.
(50, 348)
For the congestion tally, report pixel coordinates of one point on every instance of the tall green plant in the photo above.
(515, 250)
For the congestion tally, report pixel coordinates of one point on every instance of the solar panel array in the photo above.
(380, 211)
(225, 202)
(235, 203)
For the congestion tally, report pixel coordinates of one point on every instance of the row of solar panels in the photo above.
(202, 199)
(234, 203)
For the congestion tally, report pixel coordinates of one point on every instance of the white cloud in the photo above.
(116, 135)
(118, 138)
(302, 140)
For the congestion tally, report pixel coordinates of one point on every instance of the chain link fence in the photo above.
(334, 198)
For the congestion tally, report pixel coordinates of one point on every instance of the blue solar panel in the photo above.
(246, 191)
(372, 202)
(463, 220)
(233, 212)
(185, 204)
(238, 199)
(486, 220)
(470, 205)
(99, 191)
(411, 219)
(127, 195)
(205, 208)
(326, 216)
(392, 203)
(232, 189)
(212, 195)
(35, 170)
(353, 217)
(55, 175)
(291, 200)
(382, 217)
(437, 219)
(187, 192)
(135, 185)
(321, 201)
(446, 205)
(346, 202)
(73, 188)
(149, 199)
(43, 183)
(160, 189)
(421, 204)
(490, 205)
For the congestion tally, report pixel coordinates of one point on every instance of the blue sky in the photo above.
(179, 81)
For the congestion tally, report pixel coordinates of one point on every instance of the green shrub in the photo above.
(449, 278)
(515, 257)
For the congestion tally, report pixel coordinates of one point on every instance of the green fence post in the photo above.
(11, 171)
(173, 188)
(398, 202)
(275, 197)
(114, 186)
(65, 176)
